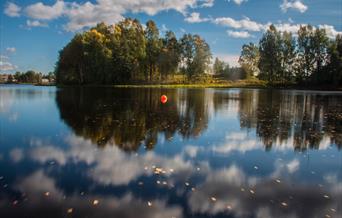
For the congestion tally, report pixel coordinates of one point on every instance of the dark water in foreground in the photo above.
(205, 153)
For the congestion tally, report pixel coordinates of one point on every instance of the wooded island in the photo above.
(131, 53)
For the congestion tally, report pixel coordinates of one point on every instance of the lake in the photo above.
(110, 152)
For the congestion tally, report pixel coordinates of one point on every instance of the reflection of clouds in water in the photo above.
(109, 165)
(16, 155)
(6, 105)
(233, 192)
(6, 101)
(191, 150)
(283, 168)
(228, 190)
(241, 142)
(237, 141)
(44, 197)
(43, 151)
(13, 117)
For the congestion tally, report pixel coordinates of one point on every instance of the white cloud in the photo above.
(245, 24)
(239, 34)
(12, 10)
(295, 5)
(238, 2)
(81, 15)
(7, 66)
(164, 28)
(35, 23)
(45, 12)
(88, 14)
(330, 30)
(207, 3)
(10, 49)
(195, 18)
(231, 59)
(288, 27)
(293, 28)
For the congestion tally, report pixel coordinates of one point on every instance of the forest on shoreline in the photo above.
(130, 53)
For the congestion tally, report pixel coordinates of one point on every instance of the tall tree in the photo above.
(288, 54)
(170, 55)
(249, 60)
(270, 55)
(320, 47)
(306, 53)
(153, 47)
(196, 55)
(218, 67)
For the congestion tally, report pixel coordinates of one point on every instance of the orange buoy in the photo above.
(163, 99)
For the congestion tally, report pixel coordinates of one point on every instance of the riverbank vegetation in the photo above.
(309, 58)
(129, 53)
(29, 77)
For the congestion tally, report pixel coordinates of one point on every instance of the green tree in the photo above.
(270, 55)
(70, 68)
(332, 71)
(219, 66)
(196, 55)
(169, 58)
(249, 60)
(153, 47)
(288, 57)
(306, 53)
(320, 47)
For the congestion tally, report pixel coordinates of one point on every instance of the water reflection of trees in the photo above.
(133, 117)
(129, 118)
(303, 119)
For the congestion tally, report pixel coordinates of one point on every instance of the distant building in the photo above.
(45, 81)
(4, 78)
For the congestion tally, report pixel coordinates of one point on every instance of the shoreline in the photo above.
(242, 84)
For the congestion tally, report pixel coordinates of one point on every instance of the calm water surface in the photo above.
(100, 152)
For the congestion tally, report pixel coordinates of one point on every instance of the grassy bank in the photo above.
(221, 84)
(254, 83)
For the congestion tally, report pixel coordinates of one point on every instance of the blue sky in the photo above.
(32, 32)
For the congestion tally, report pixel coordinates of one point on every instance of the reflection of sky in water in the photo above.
(207, 153)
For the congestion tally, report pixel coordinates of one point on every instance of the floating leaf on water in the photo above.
(284, 204)
(213, 199)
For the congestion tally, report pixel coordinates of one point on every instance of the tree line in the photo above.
(310, 57)
(129, 51)
(31, 77)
